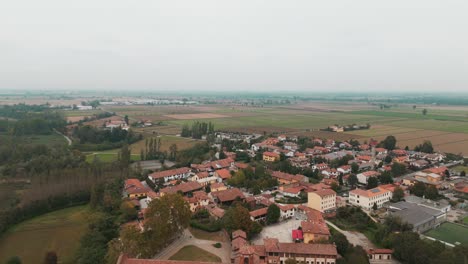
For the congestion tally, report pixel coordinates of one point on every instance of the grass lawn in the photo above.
(193, 253)
(59, 231)
(214, 236)
(460, 168)
(450, 233)
(465, 220)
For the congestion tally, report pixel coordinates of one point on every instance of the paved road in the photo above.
(355, 238)
(188, 239)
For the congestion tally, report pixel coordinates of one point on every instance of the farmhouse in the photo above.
(133, 188)
(287, 211)
(227, 196)
(218, 186)
(223, 174)
(259, 214)
(379, 255)
(184, 188)
(198, 201)
(170, 175)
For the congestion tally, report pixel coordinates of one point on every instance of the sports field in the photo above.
(450, 233)
(59, 231)
(445, 126)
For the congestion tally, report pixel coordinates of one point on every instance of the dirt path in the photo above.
(188, 239)
(67, 138)
(355, 238)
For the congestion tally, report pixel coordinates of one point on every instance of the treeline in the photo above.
(91, 138)
(197, 130)
(95, 117)
(20, 111)
(152, 149)
(24, 160)
(196, 154)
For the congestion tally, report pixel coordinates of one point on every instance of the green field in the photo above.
(465, 220)
(51, 139)
(81, 112)
(193, 253)
(59, 231)
(108, 157)
(450, 233)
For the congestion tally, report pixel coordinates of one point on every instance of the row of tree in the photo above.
(197, 130)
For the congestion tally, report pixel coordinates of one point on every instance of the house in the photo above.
(133, 188)
(170, 175)
(364, 176)
(419, 164)
(380, 151)
(259, 215)
(399, 152)
(286, 178)
(198, 200)
(277, 252)
(204, 178)
(437, 170)
(320, 167)
(330, 173)
(435, 157)
(84, 107)
(367, 198)
(429, 178)
(420, 217)
(184, 188)
(282, 137)
(215, 211)
(218, 186)
(292, 191)
(345, 169)
(227, 196)
(223, 174)
(270, 156)
(290, 146)
(315, 228)
(379, 255)
(286, 211)
(322, 200)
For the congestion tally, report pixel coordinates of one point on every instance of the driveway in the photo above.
(188, 239)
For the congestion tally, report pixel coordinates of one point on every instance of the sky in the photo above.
(240, 45)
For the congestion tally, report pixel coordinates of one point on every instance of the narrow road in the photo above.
(67, 138)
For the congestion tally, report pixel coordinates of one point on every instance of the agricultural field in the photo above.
(445, 126)
(193, 253)
(59, 231)
(450, 233)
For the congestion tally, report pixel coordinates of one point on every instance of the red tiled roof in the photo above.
(224, 174)
(379, 251)
(259, 212)
(369, 193)
(228, 195)
(239, 233)
(271, 154)
(325, 192)
(133, 186)
(287, 176)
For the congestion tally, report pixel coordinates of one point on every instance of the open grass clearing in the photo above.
(194, 253)
(59, 231)
(450, 233)
(214, 236)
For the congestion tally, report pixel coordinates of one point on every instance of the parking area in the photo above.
(281, 231)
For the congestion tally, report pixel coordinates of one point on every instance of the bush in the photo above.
(210, 226)
(217, 245)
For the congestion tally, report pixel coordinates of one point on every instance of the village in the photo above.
(380, 179)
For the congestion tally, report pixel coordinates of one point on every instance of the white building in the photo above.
(367, 198)
(364, 177)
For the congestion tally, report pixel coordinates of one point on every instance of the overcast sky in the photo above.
(360, 45)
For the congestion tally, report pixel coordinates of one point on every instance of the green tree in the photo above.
(374, 206)
(463, 173)
(398, 169)
(431, 192)
(354, 168)
(389, 143)
(238, 217)
(352, 180)
(372, 182)
(126, 120)
(418, 189)
(424, 111)
(425, 147)
(173, 152)
(128, 211)
(335, 186)
(341, 243)
(273, 214)
(386, 177)
(398, 194)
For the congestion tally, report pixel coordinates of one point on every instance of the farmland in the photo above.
(446, 127)
(59, 231)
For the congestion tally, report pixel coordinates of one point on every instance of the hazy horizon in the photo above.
(256, 46)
